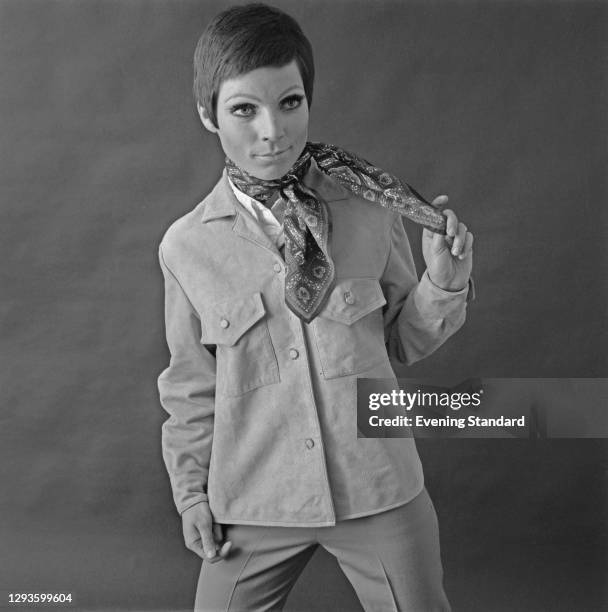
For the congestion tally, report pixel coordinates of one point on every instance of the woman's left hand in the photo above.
(449, 257)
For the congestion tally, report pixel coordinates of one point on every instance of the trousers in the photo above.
(392, 559)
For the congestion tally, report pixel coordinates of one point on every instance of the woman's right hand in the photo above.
(202, 536)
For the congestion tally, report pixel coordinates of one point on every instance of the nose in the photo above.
(271, 126)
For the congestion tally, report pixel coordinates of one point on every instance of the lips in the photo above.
(272, 154)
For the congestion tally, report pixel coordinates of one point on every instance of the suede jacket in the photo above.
(262, 406)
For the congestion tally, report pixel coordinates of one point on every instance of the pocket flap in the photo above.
(353, 298)
(225, 322)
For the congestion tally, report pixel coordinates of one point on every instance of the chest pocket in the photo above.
(349, 330)
(245, 357)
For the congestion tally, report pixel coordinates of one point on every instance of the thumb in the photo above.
(193, 541)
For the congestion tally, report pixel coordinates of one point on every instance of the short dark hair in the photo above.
(242, 39)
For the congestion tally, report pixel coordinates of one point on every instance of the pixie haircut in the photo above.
(242, 39)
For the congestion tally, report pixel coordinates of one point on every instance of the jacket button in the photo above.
(277, 267)
(224, 323)
(293, 353)
(349, 298)
(309, 443)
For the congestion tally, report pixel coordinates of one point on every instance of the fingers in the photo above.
(459, 239)
(199, 539)
(201, 535)
(440, 201)
(457, 236)
(468, 246)
(223, 551)
(192, 539)
(451, 223)
(219, 537)
(209, 545)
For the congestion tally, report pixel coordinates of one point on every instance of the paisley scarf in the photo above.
(307, 226)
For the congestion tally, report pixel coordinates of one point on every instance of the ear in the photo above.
(206, 120)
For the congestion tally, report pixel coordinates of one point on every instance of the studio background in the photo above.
(501, 105)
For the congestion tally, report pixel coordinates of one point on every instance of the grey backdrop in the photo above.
(501, 105)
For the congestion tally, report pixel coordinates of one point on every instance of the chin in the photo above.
(270, 173)
(271, 176)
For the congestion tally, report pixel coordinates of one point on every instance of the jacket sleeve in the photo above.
(187, 393)
(419, 316)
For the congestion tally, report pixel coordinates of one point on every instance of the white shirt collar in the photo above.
(262, 214)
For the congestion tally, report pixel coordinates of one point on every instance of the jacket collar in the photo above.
(222, 202)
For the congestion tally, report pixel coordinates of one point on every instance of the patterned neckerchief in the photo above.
(307, 226)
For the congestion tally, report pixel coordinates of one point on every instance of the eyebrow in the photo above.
(252, 97)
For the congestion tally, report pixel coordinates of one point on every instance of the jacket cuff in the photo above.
(470, 287)
(193, 501)
(436, 302)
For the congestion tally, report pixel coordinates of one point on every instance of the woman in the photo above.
(292, 278)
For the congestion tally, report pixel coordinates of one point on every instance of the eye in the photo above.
(292, 102)
(244, 109)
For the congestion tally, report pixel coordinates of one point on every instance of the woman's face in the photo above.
(262, 119)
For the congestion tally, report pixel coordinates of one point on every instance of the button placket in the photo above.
(313, 424)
